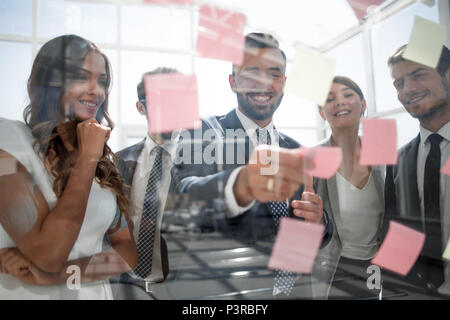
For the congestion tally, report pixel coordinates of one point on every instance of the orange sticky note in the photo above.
(327, 161)
(296, 245)
(221, 34)
(172, 102)
(379, 142)
(446, 168)
(400, 249)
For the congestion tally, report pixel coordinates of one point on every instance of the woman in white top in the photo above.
(353, 197)
(60, 192)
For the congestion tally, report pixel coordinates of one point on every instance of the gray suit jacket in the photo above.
(328, 257)
(127, 162)
(207, 181)
(403, 205)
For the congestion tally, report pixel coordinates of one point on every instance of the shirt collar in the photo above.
(169, 145)
(444, 132)
(248, 123)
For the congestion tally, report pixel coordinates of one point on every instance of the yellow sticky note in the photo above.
(311, 75)
(425, 43)
(446, 254)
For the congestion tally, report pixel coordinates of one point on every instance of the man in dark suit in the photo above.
(225, 165)
(417, 194)
(138, 167)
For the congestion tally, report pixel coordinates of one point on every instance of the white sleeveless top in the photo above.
(16, 139)
(360, 211)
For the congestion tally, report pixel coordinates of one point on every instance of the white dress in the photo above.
(16, 139)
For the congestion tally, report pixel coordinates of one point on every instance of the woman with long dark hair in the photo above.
(60, 191)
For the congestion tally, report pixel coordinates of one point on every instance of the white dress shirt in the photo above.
(424, 149)
(250, 129)
(140, 179)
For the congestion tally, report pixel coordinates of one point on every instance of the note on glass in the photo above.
(172, 102)
(446, 168)
(296, 245)
(400, 249)
(311, 75)
(327, 161)
(221, 34)
(379, 142)
(446, 254)
(425, 43)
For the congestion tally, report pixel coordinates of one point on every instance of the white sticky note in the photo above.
(311, 75)
(446, 254)
(425, 43)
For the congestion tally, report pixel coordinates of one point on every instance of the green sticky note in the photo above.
(425, 43)
(311, 76)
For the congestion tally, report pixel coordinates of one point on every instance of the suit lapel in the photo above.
(409, 173)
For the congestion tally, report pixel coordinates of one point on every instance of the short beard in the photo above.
(438, 107)
(252, 114)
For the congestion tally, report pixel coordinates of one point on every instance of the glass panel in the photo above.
(387, 36)
(215, 95)
(133, 65)
(16, 17)
(113, 106)
(13, 79)
(306, 137)
(349, 57)
(407, 128)
(156, 26)
(96, 22)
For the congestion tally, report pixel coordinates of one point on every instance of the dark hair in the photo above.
(52, 73)
(141, 84)
(443, 64)
(349, 83)
(262, 40)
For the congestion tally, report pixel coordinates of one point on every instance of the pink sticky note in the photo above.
(446, 168)
(168, 1)
(296, 245)
(400, 249)
(221, 34)
(172, 102)
(327, 161)
(379, 142)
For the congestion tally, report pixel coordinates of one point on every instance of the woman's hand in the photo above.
(92, 137)
(310, 207)
(13, 262)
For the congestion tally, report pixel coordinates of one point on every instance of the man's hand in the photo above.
(310, 207)
(273, 174)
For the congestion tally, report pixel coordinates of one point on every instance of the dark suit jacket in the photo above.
(207, 181)
(127, 162)
(403, 205)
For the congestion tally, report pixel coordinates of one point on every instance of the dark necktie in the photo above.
(431, 188)
(263, 136)
(150, 212)
(284, 280)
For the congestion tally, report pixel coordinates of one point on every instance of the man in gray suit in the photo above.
(137, 165)
(416, 193)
